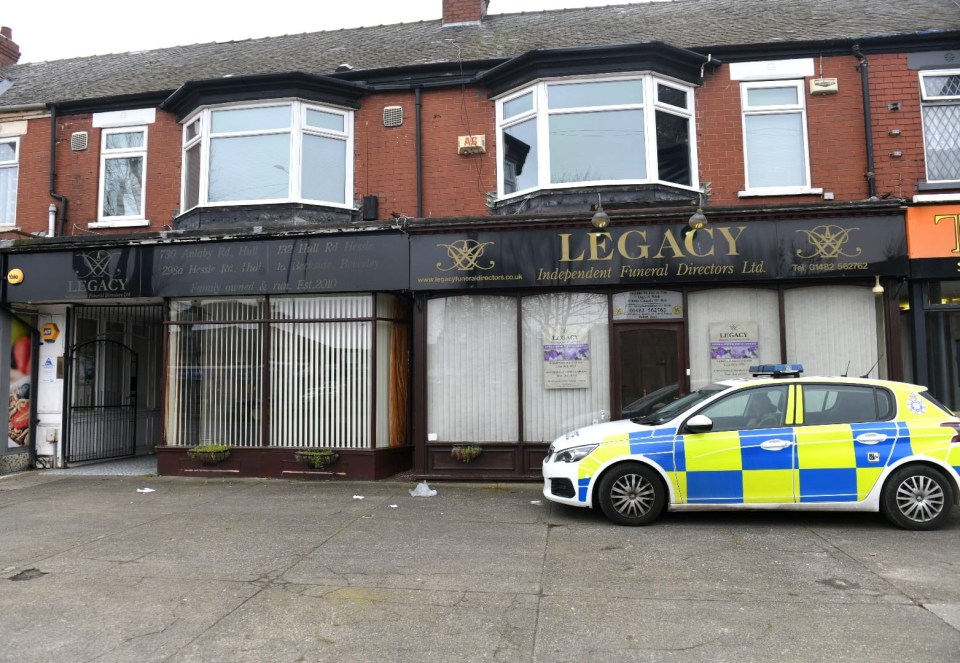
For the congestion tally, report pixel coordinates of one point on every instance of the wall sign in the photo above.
(648, 305)
(566, 357)
(734, 347)
(660, 254)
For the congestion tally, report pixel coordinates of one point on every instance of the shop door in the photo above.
(649, 362)
(103, 401)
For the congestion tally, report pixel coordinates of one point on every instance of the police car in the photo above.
(778, 440)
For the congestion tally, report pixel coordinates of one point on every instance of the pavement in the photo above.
(114, 567)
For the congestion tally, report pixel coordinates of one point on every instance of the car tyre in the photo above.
(632, 494)
(917, 497)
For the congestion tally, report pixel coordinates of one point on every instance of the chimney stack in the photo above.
(9, 51)
(464, 12)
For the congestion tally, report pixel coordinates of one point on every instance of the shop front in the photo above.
(269, 347)
(526, 334)
(932, 311)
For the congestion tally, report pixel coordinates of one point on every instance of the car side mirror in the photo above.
(698, 423)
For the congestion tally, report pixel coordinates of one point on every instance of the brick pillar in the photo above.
(464, 11)
(9, 51)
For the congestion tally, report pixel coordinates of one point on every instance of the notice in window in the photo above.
(566, 358)
(734, 347)
(648, 305)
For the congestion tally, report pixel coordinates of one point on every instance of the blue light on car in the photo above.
(776, 370)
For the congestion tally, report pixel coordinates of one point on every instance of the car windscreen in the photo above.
(674, 408)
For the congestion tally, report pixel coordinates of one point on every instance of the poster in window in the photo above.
(566, 358)
(734, 347)
(18, 411)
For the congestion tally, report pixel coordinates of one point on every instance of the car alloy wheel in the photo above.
(917, 497)
(632, 494)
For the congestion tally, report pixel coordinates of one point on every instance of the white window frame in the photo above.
(927, 101)
(798, 108)
(106, 154)
(542, 113)
(11, 164)
(298, 129)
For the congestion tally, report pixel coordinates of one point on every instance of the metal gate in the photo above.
(103, 401)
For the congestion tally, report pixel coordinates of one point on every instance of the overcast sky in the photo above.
(56, 29)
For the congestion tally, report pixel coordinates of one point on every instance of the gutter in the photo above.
(53, 169)
(871, 173)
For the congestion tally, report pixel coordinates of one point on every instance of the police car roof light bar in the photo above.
(776, 370)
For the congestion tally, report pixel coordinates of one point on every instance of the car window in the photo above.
(674, 408)
(761, 407)
(825, 404)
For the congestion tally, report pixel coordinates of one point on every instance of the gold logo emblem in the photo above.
(828, 242)
(465, 255)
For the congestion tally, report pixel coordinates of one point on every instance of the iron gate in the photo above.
(102, 416)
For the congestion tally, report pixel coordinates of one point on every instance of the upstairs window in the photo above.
(123, 161)
(9, 172)
(940, 95)
(268, 153)
(775, 138)
(607, 131)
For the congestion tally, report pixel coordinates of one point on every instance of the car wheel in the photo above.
(917, 497)
(632, 495)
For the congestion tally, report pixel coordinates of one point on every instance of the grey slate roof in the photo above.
(697, 24)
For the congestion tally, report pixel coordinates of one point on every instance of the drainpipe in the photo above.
(871, 174)
(51, 219)
(419, 156)
(53, 171)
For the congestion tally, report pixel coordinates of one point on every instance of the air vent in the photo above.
(78, 141)
(393, 116)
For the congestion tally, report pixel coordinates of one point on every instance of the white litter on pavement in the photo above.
(393, 506)
(358, 497)
(146, 490)
(423, 490)
(537, 502)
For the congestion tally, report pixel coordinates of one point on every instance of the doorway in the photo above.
(649, 361)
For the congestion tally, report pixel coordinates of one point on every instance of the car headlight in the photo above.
(574, 454)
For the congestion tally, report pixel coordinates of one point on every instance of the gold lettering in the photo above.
(692, 249)
(956, 228)
(623, 248)
(598, 241)
(668, 238)
(565, 249)
(731, 240)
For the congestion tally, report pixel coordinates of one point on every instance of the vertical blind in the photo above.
(548, 413)
(320, 381)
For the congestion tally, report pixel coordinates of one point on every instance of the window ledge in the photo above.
(938, 186)
(780, 191)
(132, 223)
(936, 197)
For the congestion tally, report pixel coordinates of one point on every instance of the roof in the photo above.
(695, 24)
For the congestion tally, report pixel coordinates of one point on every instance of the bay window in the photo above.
(277, 152)
(601, 131)
(9, 172)
(940, 95)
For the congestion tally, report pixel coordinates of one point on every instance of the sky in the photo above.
(57, 29)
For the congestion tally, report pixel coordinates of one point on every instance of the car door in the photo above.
(845, 437)
(743, 459)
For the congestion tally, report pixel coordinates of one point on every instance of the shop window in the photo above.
(834, 330)
(615, 131)
(123, 161)
(316, 352)
(566, 363)
(775, 145)
(940, 95)
(472, 390)
(268, 153)
(9, 174)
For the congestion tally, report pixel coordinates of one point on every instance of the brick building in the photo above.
(483, 230)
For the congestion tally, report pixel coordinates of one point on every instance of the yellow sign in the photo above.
(15, 276)
(50, 332)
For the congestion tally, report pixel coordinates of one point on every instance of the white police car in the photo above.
(774, 441)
